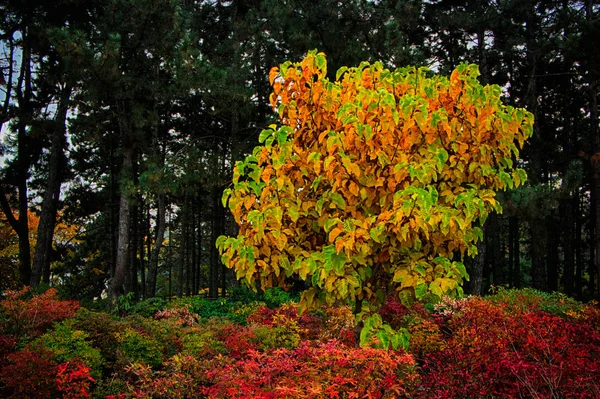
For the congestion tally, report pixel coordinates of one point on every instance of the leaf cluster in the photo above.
(373, 182)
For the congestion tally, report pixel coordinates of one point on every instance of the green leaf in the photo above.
(337, 199)
(340, 72)
(264, 135)
(421, 291)
(225, 197)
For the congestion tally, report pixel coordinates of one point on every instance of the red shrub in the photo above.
(496, 353)
(34, 316)
(329, 370)
(30, 374)
(74, 380)
(238, 340)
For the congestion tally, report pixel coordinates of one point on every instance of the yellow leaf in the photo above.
(334, 233)
(339, 245)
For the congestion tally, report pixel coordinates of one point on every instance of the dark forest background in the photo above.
(121, 120)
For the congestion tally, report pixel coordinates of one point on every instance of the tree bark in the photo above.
(161, 227)
(594, 119)
(116, 287)
(475, 284)
(552, 250)
(568, 279)
(515, 259)
(51, 196)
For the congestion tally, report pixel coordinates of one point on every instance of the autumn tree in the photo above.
(374, 183)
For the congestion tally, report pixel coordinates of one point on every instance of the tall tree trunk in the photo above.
(118, 280)
(161, 226)
(23, 91)
(45, 232)
(515, 257)
(578, 254)
(475, 268)
(17, 226)
(568, 279)
(194, 248)
(552, 250)
(595, 132)
(133, 265)
(213, 287)
(495, 252)
(182, 245)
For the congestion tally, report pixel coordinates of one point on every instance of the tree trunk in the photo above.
(45, 232)
(17, 226)
(593, 90)
(118, 280)
(213, 288)
(568, 279)
(495, 253)
(475, 284)
(578, 254)
(161, 226)
(515, 259)
(552, 250)
(23, 91)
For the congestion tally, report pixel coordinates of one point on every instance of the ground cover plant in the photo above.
(512, 344)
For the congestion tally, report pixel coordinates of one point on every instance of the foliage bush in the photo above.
(69, 344)
(327, 370)
(181, 316)
(275, 297)
(74, 380)
(200, 343)
(531, 299)
(137, 347)
(101, 329)
(275, 337)
(32, 315)
(498, 350)
(515, 343)
(29, 373)
(148, 307)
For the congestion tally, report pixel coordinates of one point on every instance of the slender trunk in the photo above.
(552, 250)
(116, 287)
(578, 254)
(357, 326)
(161, 227)
(200, 237)
(475, 284)
(568, 278)
(45, 232)
(494, 253)
(188, 245)
(133, 265)
(23, 91)
(213, 289)
(514, 252)
(193, 248)
(182, 245)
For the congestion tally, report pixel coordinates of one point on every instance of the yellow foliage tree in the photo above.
(372, 184)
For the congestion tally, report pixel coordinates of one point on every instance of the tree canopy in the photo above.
(376, 182)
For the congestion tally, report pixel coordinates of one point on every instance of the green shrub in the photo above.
(101, 329)
(67, 343)
(166, 332)
(201, 343)
(529, 299)
(275, 337)
(135, 347)
(149, 307)
(243, 294)
(110, 387)
(275, 297)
